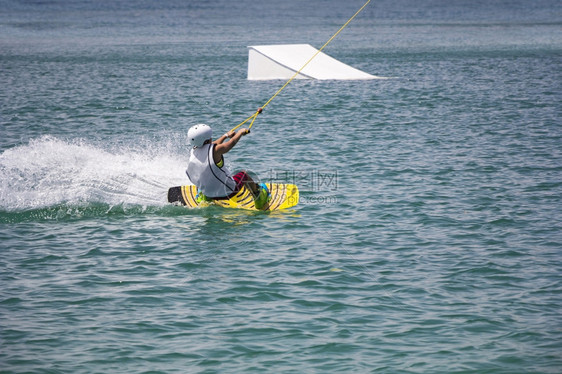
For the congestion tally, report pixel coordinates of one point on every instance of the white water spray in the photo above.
(49, 171)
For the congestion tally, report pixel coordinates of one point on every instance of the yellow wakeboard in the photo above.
(283, 196)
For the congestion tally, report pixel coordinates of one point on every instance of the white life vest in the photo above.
(203, 172)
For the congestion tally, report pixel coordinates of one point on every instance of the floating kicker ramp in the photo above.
(267, 62)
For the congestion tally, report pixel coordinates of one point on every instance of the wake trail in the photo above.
(48, 171)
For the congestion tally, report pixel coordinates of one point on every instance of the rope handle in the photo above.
(252, 117)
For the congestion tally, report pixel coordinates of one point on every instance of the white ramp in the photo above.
(283, 61)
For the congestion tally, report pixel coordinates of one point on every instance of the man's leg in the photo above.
(243, 178)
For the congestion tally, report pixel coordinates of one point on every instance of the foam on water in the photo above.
(50, 171)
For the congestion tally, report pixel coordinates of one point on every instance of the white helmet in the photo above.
(198, 134)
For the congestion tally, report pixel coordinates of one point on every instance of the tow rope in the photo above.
(260, 109)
